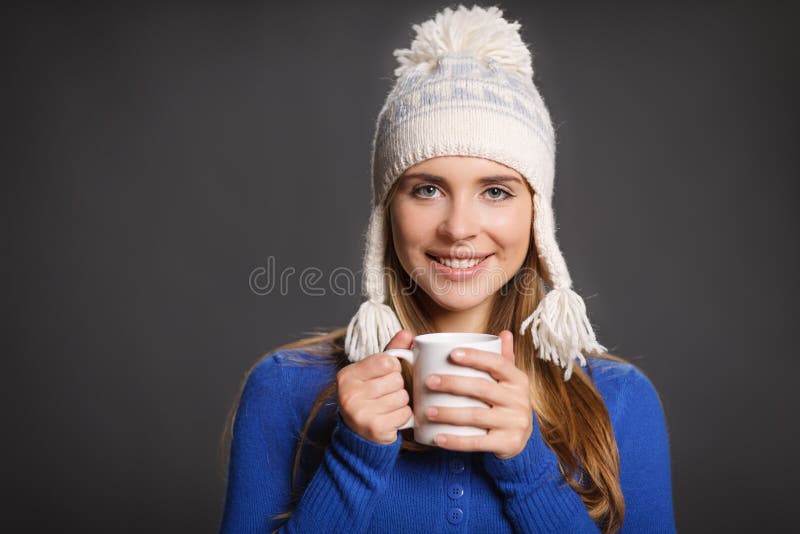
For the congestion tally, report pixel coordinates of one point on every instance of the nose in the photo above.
(461, 221)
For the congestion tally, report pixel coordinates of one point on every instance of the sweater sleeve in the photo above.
(340, 495)
(537, 499)
(644, 453)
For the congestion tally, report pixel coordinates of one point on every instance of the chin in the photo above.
(455, 302)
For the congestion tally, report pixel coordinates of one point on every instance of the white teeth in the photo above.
(460, 264)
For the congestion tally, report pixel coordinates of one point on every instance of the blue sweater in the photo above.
(362, 486)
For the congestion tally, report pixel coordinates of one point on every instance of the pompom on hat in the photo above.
(465, 88)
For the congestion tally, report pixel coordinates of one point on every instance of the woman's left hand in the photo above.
(509, 420)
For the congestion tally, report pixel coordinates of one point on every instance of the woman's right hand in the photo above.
(373, 401)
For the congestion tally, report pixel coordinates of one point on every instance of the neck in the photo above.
(472, 320)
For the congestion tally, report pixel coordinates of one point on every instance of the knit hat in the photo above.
(465, 87)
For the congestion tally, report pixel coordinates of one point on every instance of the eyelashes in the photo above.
(415, 192)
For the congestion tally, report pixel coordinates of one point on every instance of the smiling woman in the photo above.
(461, 238)
(461, 230)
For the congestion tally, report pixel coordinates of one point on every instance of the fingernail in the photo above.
(432, 411)
(458, 354)
(434, 380)
(441, 440)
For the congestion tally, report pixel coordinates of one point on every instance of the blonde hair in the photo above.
(573, 418)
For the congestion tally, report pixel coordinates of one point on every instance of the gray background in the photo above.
(156, 155)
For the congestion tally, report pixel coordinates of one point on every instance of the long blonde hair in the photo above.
(573, 418)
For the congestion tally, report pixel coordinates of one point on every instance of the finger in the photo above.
(507, 351)
(401, 340)
(399, 417)
(380, 363)
(392, 401)
(374, 366)
(378, 387)
(468, 386)
(495, 364)
(471, 416)
(484, 442)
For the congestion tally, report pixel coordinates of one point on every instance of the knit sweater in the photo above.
(355, 485)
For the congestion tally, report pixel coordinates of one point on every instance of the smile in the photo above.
(458, 264)
(465, 266)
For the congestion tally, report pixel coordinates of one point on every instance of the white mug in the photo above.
(430, 355)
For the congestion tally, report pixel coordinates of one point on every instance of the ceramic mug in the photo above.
(430, 355)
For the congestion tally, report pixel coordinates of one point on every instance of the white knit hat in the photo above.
(465, 87)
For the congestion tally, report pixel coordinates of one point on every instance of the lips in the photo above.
(455, 255)
(458, 263)
(458, 274)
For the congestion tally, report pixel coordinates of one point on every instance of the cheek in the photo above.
(411, 230)
(411, 226)
(513, 230)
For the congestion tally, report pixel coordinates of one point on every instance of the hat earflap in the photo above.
(559, 326)
(375, 323)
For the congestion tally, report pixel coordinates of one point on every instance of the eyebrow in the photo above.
(484, 180)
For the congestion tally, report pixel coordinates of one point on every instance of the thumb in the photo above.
(401, 340)
(507, 340)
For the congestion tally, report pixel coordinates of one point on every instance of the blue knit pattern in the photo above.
(463, 81)
(355, 485)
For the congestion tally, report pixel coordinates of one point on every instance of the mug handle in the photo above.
(407, 355)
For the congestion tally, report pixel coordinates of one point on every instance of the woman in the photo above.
(461, 239)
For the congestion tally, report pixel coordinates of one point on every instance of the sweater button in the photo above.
(456, 465)
(455, 491)
(455, 515)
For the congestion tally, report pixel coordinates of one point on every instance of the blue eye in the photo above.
(427, 187)
(504, 195)
(500, 190)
